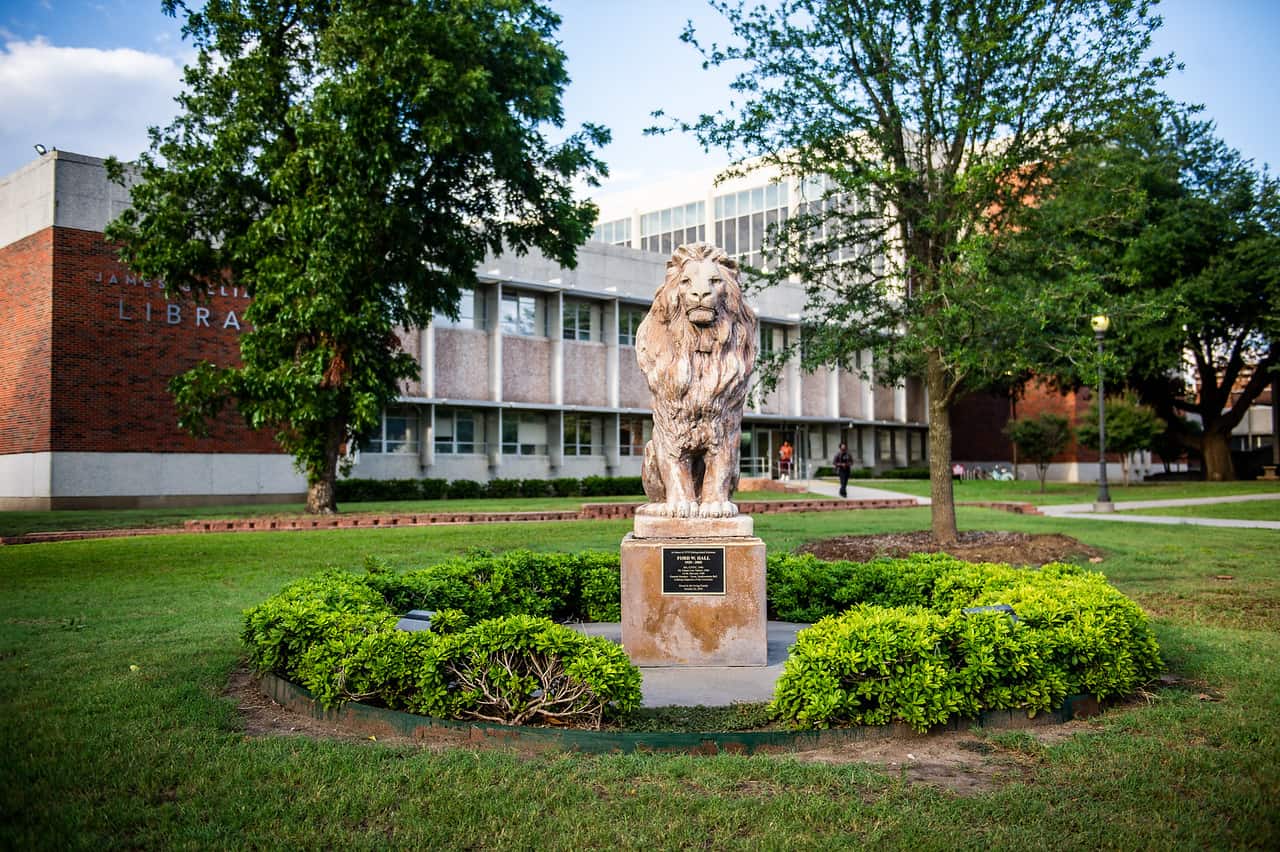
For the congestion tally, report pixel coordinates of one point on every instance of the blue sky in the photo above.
(91, 76)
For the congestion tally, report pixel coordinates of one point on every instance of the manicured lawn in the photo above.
(1024, 491)
(1253, 510)
(98, 755)
(17, 523)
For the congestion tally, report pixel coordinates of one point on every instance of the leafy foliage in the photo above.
(1131, 426)
(349, 165)
(1179, 236)
(917, 131)
(1040, 438)
(494, 657)
(907, 652)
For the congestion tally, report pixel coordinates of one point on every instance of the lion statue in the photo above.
(696, 348)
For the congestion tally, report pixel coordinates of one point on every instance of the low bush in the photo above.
(465, 489)
(611, 486)
(535, 488)
(893, 641)
(492, 652)
(861, 473)
(371, 490)
(565, 487)
(906, 473)
(502, 488)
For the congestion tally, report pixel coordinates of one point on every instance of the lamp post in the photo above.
(1100, 325)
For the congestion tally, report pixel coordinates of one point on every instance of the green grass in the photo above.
(96, 755)
(21, 522)
(1253, 510)
(1024, 491)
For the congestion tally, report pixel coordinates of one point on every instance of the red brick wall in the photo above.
(112, 360)
(26, 314)
(978, 420)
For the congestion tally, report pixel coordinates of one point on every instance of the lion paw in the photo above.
(729, 509)
(685, 509)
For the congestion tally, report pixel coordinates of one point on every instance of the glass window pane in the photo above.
(757, 199)
(771, 195)
(677, 217)
(730, 206)
(744, 202)
(757, 231)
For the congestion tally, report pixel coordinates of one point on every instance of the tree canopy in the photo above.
(1131, 426)
(1180, 237)
(349, 164)
(1040, 439)
(918, 130)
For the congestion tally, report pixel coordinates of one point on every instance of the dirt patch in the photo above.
(961, 762)
(977, 546)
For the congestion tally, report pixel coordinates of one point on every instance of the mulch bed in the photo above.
(976, 546)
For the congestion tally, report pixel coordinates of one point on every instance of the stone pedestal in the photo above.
(694, 600)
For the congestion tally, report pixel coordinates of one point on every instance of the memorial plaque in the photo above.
(693, 570)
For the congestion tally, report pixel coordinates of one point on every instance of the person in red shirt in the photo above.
(784, 460)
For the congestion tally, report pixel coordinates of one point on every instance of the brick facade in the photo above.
(26, 346)
(97, 347)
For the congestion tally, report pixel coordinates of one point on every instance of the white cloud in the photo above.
(91, 101)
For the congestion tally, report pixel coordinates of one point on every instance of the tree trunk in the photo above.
(943, 510)
(1215, 450)
(322, 493)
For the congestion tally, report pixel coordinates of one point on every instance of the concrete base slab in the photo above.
(655, 526)
(710, 686)
(694, 602)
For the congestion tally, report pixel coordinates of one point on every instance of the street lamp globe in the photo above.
(1101, 323)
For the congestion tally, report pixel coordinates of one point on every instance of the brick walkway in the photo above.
(588, 512)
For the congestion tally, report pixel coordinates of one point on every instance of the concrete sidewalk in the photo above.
(710, 686)
(1084, 511)
(857, 492)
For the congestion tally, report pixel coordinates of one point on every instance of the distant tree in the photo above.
(349, 164)
(1040, 439)
(1181, 237)
(1131, 427)
(917, 130)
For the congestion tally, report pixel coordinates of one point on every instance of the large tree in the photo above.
(1189, 267)
(918, 127)
(349, 163)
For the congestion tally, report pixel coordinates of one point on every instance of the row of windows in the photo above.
(615, 233)
(460, 431)
(525, 314)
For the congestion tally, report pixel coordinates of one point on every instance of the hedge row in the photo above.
(369, 490)
(893, 642)
(494, 651)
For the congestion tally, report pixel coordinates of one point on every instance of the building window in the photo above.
(577, 320)
(471, 312)
(615, 233)
(397, 433)
(455, 432)
(772, 338)
(743, 220)
(633, 433)
(579, 431)
(629, 319)
(665, 230)
(521, 313)
(524, 434)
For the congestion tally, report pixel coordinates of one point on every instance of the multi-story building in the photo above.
(537, 378)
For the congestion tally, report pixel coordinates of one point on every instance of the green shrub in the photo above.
(1072, 633)
(824, 471)
(535, 487)
(565, 487)
(433, 489)
(334, 633)
(861, 473)
(611, 486)
(502, 488)
(465, 489)
(522, 669)
(906, 473)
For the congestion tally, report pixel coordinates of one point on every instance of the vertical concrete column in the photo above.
(493, 298)
(427, 436)
(555, 441)
(493, 439)
(427, 360)
(555, 329)
(868, 448)
(833, 392)
(612, 441)
(609, 313)
(635, 229)
(795, 405)
(869, 389)
(900, 402)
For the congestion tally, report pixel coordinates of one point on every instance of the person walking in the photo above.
(843, 463)
(784, 460)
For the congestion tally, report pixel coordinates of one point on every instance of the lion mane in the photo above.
(698, 372)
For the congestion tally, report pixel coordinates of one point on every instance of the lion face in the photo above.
(701, 291)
